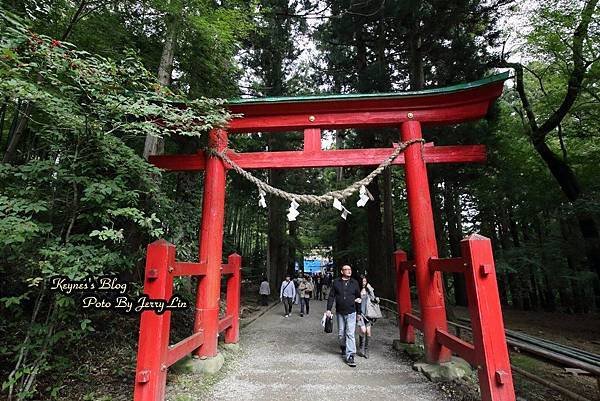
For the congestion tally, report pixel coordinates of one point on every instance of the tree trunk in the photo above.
(514, 287)
(74, 20)
(277, 257)
(388, 235)
(560, 170)
(452, 211)
(415, 53)
(293, 237)
(155, 145)
(576, 298)
(488, 230)
(377, 259)
(22, 116)
(547, 293)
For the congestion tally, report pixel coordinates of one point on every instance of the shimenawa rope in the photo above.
(326, 198)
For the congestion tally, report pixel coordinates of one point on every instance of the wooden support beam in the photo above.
(189, 269)
(184, 347)
(312, 140)
(228, 268)
(449, 265)
(323, 158)
(225, 323)
(414, 321)
(407, 265)
(464, 349)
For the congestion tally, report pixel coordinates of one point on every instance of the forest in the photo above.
(89, 89)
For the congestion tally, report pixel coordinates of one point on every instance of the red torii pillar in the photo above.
(208, 294)
(429, 284)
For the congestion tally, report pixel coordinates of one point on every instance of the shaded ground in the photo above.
(293, 359)
(581, 331)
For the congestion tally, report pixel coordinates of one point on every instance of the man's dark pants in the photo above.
(287, 304)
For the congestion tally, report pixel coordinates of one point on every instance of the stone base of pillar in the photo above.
(208, 365)
(413, 351)
(444, 372)
(231, 347)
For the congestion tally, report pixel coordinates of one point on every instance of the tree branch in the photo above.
(518, 68)
(577, 74)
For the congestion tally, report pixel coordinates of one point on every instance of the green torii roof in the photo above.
(408, 94)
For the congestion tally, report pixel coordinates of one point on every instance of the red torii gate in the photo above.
(311, 114)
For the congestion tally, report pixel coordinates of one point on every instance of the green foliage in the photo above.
(79, 201)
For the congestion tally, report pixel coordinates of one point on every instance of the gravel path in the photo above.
(288, 359)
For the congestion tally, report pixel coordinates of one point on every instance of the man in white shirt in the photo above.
(287, 294)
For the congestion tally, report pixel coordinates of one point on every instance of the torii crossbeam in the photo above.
(311, 114)
(406, 111)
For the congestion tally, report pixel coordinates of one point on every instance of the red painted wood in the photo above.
(357, 119)
(234, 285)
(429, 284)
(211, 247)
(228, 269)
(312, 140)
(184, 347)
(464, 349)
(414, 321)
(403, 301)
(449, 265)
(189, 269)
(323, 158)
(486, 320)
(444, 108)
(151, 368)
(408, 265)
(225, 323)
(180, 162)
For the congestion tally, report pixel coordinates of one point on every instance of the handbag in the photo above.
(328, 325)
(373, 310)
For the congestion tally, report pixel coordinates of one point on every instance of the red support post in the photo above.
(312, 140)
(407, 332)
(151, 369)
(489, 340)
(429, 284)
(211, 247)
(232, 334)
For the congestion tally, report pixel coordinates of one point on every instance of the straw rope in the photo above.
(326, 198)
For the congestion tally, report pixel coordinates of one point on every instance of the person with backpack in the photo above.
(287, 293)
(345, 292)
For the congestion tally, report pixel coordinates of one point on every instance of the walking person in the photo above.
(264, 291)
(367, 294)
(345, 292)
(306, 288)
(318, 287)
(326, 285)
(296, 282)
(287, 293)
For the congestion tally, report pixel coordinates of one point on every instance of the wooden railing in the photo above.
(155, 355)
(488, 352)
